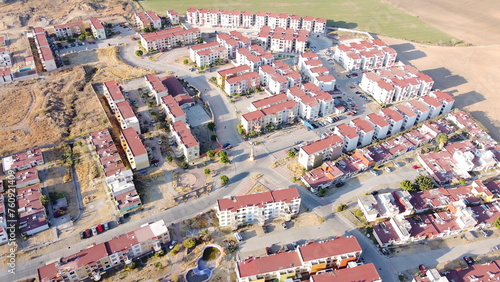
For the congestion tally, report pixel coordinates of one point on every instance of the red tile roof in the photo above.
(269, 101)
(404, 110)
(114, 90)
(483, 272)
(377, 120)
(125, 110)
(233, 70)
(252, 116)
(26, 175)
(362, 125)
(96, 23)
(347, 131)
(128, 199)
(184, 133)
(365, 272)
(335, 247)
(392, 114)
(134, 142)
(153, 15)
(155, 83)
(280, 107)
(172, 106)
(276, 262)
(30, 208)
(61, 26)
(316, 146)
(204, 46)
(243, 77)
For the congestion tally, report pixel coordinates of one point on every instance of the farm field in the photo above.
(474, 22)
(367, 15)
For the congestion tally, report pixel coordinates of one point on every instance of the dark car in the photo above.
(468, 260)
(268, 250)
(154, 161)
(340, 184)
(88, 233)
(227, 146)
(82, 235)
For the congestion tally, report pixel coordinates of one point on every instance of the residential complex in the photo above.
(185, 143)
(260, 207)
(396, 84)
(246, 19)
(148, 19)
(280, 113)
(311, 258)
(97, 28)
(365, 55)
(6, 75)
(45, 50)
(242, 84)
(233, 41)
(156, 87)
(254, 57)
(224, 74)
(173, 17)
(72, 29)
(315, 153)
(93, 262)
(169, 38)
(32, 216)
(282, 39)
(22, 161)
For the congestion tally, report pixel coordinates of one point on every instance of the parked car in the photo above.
(172, 244)
(153, 161)
(106, 226)
(227, 146)
(422, 268)
(374, 172)
(468, 260)
(269, 251)
(100, 228)
(94, 230)
(82, 235)
(415, 167)
(482, 232)
(265, 228)
(284, 225)
(388, 169)
(352, 86)
(295, 245)
(88, 233)
(339, 184)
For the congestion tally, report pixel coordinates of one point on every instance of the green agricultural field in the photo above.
(368, 15)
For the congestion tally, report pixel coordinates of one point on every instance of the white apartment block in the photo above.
(350, 136)
(126, 116)
(284, 111)
(260, 207)
(172, 109)
(233, 41)
(45, 51)
(242, 83)
(186, 142)
(201, 47)
(134, 149)
(69, 29)
(169, 38)
(6, 75)
(396, 84)
(98, 30)
(254, 57)
(394, 118)
(210, 56)
(313, 102)
(365, 131)
(148, 19)
(156, 87)
(173, 16)
(282, 40)
(113, 94)
(380, 124)
(222, 75)
(365, 55)
(313, 154)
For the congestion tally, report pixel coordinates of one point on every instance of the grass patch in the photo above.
(368, 15)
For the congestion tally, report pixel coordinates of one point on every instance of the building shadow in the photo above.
(444, 78)
(341, 24)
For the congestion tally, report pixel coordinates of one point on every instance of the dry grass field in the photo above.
(59, 107)
(474, 22)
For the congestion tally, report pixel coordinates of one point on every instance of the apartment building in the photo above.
(222, 75)
(365, 55)
(31, 213)
(280, 113)
(242, 83)
(259, 207)
(113, 93)
(193, 50)
(282, 40)
(97, 28)
(364, 272)
(94, 261)
(173, 17)
(26, 177)
(419, 108)
(386, 205)
(45, 48)
(315, 153)
(233, 41)
(365, 131)
(312, 101)
(134, 149)
(172, 109)
(313, 25)
(126, 116)
(254, 57)
(148, 19)
(156, 87)
(169, 38)
(187, 144)
(380, 125)
(211, 56)
(24, 160)
(6, 75)
(313, 71)
(73, 29)
(307, 260)
(394, 118)
(445, 99)
(350, 136)
(409, 116)
(268, 102)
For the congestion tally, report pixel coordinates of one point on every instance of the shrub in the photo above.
(169, 158)
(189, 243)
(186, 61)
(70, 40)
(82, 37)
(407, 186)
(213, 137)
(224, 179)
(291, 154)
(211, 125)
(184, 165)
(424, 182)
(207, 171)
(342, 207)
(139, 53)
(224, 159)
(358, 213)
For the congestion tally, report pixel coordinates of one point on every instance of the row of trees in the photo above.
(421, 183)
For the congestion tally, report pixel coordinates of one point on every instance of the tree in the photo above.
(207, 171)
(213, 137)
(342, 207)
(224, 159)
(211, 125)
(146, 30)
(407, 186)
(88, 34)
(179, 43)
(358, 213)
(441, 139)
(224, 179)
(424, 182)
(222, 154)
(169, 158)
(189, 243)
(82, 37)
(270, 127)
(59, 45)
(201, 68)
(252, 133)
(44, 199)
(199, 40)
(70, 40)
(241, 130)
(139, 53)
(291, 154)
(109, 25)
(211, 154)
(184, 165)
(186, 61)
(497, 223)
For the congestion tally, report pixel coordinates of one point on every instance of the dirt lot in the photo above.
(61, 106)
(474, 22)
(469, 73)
